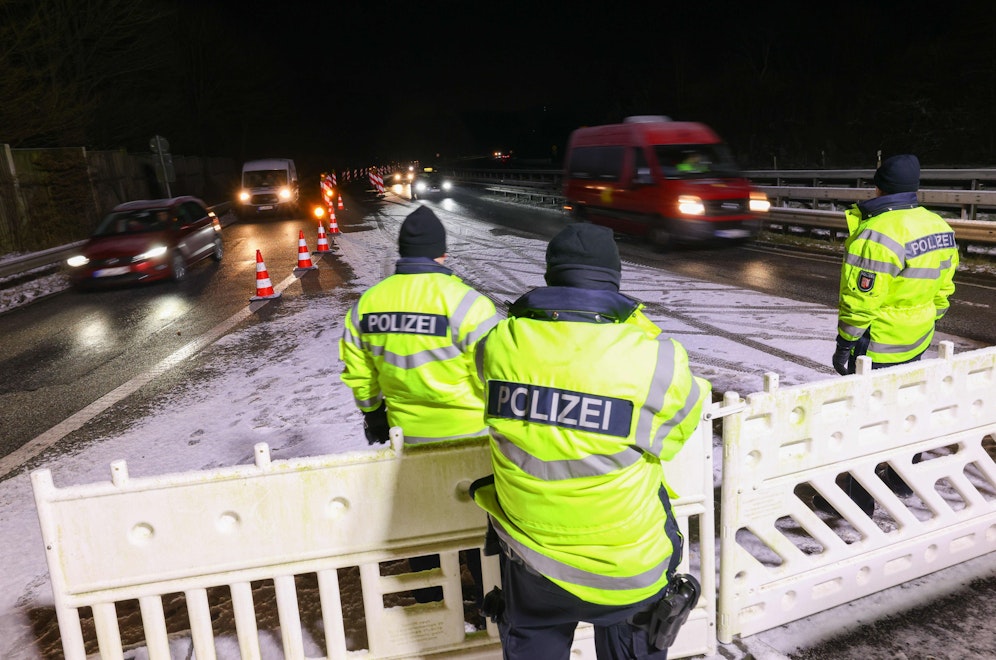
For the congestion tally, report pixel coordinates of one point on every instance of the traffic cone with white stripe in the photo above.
(264, 288)
(303, 256)
(333, 223)
(341, 207)
(323, 241)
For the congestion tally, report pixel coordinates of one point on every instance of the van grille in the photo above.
(722, 207)
(264, 198)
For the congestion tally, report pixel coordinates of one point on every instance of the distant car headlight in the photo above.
(759, 202)
(691, 205)
(285, 193)
(157, 251)
(447, 185)
(77, 260)
(243, 196)
(397, 177)
(420, 186)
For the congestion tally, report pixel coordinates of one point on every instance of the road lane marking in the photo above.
(12, 461)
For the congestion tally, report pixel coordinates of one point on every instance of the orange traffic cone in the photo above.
(341, 207)
(264, 288)
(333, 223)
(303, 256)
(323, 241)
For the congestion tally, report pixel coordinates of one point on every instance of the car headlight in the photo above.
(285, 193)
(77, 260)
(447, 185)
(157, 251)
(691, 205)
(420, 186)
(243, 196)
(759, 202)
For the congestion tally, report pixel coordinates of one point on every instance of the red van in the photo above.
(670, 181)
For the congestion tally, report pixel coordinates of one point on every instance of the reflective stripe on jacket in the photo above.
(897, 275)
(585, 399)
(410, 339)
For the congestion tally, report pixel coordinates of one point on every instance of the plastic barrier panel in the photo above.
(918, 440)
(308, 556)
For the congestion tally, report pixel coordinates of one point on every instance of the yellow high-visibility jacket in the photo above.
(897, 276)
(585, 399)
(410, 339)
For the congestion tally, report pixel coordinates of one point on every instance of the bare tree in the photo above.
(61, 59)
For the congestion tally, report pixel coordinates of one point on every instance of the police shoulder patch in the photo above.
(866, 281)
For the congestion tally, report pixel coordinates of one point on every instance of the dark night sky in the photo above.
(397, 81)
(348, 84)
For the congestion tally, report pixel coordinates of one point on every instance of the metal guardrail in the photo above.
(544, 187)
(967, 232)
(55, 255)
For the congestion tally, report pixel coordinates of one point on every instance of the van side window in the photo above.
(601, 163)
(641, 168)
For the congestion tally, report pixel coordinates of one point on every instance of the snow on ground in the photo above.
(278, 382)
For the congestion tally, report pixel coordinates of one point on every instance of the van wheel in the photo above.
(660, 236)
(580, 215)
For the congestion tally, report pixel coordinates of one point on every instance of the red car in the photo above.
(148, 240)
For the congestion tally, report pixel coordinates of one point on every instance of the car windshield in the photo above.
(134, 222)
(689, 161)
(264, 178)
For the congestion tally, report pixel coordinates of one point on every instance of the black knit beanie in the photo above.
(583, 255)
(898, 174)
(422, 235)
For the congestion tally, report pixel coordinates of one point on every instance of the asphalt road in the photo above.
(64, 353)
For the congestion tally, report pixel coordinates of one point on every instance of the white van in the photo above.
(269, 185)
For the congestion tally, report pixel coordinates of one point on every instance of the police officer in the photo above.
(585, 399)
(898, 273)
(408, 344)
(408, 353)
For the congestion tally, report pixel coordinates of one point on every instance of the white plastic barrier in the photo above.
(196, 548)
(780, 559)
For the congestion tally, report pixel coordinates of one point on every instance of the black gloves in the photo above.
(842, 356)
(375, 425)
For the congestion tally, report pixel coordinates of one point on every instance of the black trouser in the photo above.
(540, 617)
(856, 491)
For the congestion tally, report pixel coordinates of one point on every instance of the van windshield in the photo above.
(264, 178)
(691, 161)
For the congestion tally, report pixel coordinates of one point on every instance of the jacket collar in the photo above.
(566, 303)
(878, 205)
(417, 265)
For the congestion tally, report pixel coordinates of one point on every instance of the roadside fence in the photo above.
(308, 555)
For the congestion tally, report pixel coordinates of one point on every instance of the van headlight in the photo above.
(285, 193)
(77, 260)
(690, 205)
(243, 195)
(447, 185)
(420, 186)
(759, 202)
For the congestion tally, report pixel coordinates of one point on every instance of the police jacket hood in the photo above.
(565, 303)
(878, 205)
(417, 265)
